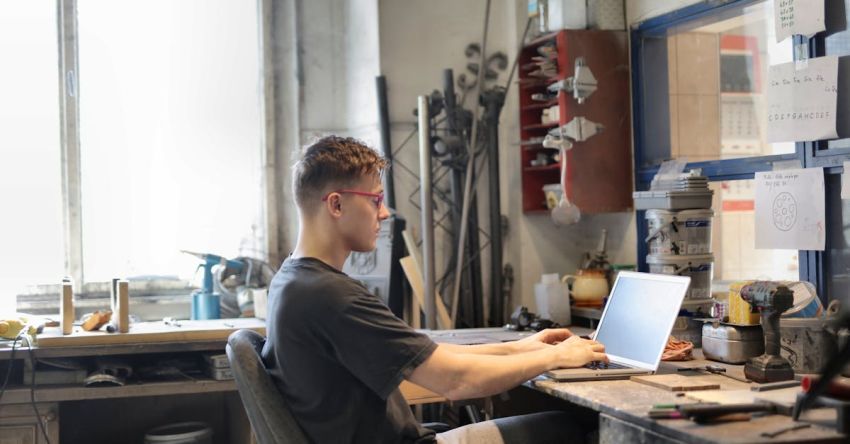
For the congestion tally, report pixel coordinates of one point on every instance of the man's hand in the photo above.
(576, 352)
(542, 339)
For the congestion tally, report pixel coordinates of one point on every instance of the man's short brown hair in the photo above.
(332, 162)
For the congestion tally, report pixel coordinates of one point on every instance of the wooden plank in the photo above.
(416, 394)
(412, 272)
(148, 332)
(59, 393)
(442, 312)
(677, 383)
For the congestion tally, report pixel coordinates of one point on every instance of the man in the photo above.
(338, 354)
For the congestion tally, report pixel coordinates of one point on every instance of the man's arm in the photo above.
(463, 375)
(534, 342)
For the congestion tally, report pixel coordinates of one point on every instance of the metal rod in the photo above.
(473, 142)
(493, 102)
(426, 198)
(386, 145)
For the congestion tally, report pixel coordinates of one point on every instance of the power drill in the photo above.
(771, 300)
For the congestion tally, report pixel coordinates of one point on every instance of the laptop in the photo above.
(634, 327)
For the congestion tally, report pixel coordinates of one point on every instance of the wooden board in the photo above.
(677, 383)
(408, 264)
(147, 332)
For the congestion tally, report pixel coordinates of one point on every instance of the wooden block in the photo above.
(66, 307)
(415, 278)
(123, 306)
(677, 383)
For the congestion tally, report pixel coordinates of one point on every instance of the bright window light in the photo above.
(170, 135)
(31, 239)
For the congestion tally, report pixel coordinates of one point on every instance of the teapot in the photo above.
(588, 287)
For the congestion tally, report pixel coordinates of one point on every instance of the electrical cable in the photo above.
(9, 367)
(32, 394)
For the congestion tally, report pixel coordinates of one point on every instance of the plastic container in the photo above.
(553, 299)
(552, 192)
(699, 267)
(679, 232)
(180, 433)
(672, 200)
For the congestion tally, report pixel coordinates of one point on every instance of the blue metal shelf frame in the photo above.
(811, 263)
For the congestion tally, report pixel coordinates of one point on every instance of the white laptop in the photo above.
(634, 327)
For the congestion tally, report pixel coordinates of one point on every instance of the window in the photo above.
(170, 140)
(31, 236)
(698, 80)
(170, 135)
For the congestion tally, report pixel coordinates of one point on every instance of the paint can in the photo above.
(679, 232)
(700, 267)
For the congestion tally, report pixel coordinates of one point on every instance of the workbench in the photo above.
(622, 406)
(76, 413)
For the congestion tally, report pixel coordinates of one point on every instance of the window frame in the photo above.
(811, 263)
(69, 94)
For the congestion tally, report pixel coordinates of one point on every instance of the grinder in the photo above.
(770, 299)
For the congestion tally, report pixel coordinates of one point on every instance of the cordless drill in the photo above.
(770, 300)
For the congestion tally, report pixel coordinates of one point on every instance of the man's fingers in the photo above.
(557, 334)
(597, 347)
(600, 357)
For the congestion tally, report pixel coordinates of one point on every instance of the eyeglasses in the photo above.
(377, 198)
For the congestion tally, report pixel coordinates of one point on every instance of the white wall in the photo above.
(345, 44)
(640, 10)
(418, 39)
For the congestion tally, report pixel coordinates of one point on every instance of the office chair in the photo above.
(268, 413)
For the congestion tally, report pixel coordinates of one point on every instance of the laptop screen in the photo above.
(640, 314)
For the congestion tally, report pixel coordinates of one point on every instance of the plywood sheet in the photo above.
(678, 383)
(147, 332)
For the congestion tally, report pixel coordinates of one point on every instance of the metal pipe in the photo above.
(426, 200)
(492, 108)
(386, 145)
(473, 142)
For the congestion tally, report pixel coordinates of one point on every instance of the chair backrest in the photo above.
(268, 413)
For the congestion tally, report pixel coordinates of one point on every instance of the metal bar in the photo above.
(493, 108)
(426, 198)
(386, 145)
(473, 142)
(69, 117)
(268, 131)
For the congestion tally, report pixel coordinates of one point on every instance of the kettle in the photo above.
(588, 287)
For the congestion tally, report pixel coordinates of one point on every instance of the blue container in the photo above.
(206, 305)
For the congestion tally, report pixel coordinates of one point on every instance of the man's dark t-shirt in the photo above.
(338, 355)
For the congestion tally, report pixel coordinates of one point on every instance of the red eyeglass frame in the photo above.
(379, 197)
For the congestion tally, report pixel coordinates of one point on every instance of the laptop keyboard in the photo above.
(602, 365)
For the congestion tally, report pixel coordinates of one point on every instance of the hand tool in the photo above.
(770, 300)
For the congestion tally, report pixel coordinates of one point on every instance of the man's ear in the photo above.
(334, 205)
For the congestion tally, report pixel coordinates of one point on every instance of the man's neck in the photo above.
(325, 248)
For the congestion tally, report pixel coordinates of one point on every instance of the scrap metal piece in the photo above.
(582, 84)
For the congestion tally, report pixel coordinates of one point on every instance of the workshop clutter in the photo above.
(806, 303)
(679, 219)
(180, 433)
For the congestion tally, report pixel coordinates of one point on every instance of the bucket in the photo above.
(679, 232)
(807, 343)
(699, 267)
(180, 433)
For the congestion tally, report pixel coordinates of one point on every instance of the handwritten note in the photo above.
(790, 210)
(797, 17)
(801, 103)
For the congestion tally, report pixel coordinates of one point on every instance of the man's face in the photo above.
(362, 214)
